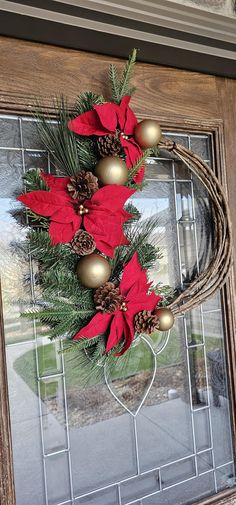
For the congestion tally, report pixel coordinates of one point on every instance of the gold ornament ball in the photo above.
(166, 318)
(93, 270)
(147, 133)
(111, 170)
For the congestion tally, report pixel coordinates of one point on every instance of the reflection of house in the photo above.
(183, 232)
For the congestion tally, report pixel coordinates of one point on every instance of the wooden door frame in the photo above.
(19, 98)
(166, 32)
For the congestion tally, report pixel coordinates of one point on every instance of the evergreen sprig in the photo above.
(61, 314)
(139, 235)
(58, 139)
(33, 181)
(42, 250)
(86, 102)
(88, 157)
(121, 87)
(133, 171)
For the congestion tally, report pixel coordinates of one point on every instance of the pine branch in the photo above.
(121, 87)
(58, 139)
(86, 101)
(64, 282)
(36, 220)
(62, 315)
(125, 88)
(114, 83)
(133, 171)
(33, 181)
(136, 215)
(60, 280)
(167, 293)
(50, 255)
(86, 153)
(140, 241)
(154, 151)
(75, 346)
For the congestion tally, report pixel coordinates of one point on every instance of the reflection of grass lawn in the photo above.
(50, 362)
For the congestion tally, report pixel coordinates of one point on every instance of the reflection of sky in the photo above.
(10, 230)
(7, 204)
(150, 206)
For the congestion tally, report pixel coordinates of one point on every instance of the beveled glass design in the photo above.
(156, 429)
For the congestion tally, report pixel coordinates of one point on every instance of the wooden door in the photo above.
(148, 461)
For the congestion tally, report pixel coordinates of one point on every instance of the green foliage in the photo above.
(89, 357)
(121, 87)
(58, 139)
(86, 153)
(33, 182)
(63, 315)
(136, 215)
(48, 255)
(37, 221)
(167, 293)
(154, 151)
(86, 101)
(114, 83)
(140, 241)
(135, 169)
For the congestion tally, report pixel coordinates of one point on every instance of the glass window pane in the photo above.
(106, 497)
(10, 132)
(156, 431)
(58, 480)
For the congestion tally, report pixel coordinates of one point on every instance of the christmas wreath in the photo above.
(92, 248)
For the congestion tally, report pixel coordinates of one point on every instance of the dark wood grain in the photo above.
(42, 70)
(181, 100)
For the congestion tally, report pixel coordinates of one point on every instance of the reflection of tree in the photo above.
(14, 269)
(217, 375)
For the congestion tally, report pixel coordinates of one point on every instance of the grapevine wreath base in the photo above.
(92, 249)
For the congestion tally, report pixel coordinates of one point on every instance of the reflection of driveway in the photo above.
(25, 422)
(104, 452)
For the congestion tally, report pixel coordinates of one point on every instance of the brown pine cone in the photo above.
(82, 186)
(108, 298)
(83, 243)
(146, 322)
(109, 145)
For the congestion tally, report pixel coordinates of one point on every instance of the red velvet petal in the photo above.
(131, 273)
(130, 120)
(87, 123)
(148, 302)
(55, 183)
(132, 150)
(111, 197)
(128, 335)
(107, 114)
(98, 325)
(61, 233)
(106, 217)
(116, 331)
(107, 229)
(121, 112)
(44, 203)
(66, 215)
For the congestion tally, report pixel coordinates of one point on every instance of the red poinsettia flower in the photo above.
(134, 288)
(107, 118)
(103, 215)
